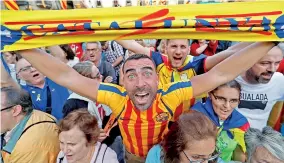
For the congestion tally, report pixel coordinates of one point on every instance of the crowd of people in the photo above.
(144, 100)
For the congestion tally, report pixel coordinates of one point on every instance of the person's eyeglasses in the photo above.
(27, 68)
(95, 50)
(97, 76)
(7, 108)
(212, 159)
(223, 101)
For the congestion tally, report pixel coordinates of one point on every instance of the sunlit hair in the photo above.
(14, 96)
(84, 68)
(96, 42)
(191, 126)
(268, 138)
(230, 84)
(86, 122)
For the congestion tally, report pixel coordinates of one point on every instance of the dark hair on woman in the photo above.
(194, 41)
(191, 126)
(70, 54)
(231, 84)
(86, 122)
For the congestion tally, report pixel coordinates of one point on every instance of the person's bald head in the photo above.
(263, 70)
(26, 72)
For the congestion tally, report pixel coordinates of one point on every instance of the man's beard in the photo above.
(262, 80)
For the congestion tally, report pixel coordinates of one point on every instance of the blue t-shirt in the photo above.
(154, 155)
(59, 95)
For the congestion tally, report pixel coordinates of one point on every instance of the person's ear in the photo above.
(17, 110)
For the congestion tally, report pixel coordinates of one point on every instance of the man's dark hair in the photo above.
(70, 53)
(137, 57)
(17, 97)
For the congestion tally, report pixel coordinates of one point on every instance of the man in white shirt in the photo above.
(262, 87)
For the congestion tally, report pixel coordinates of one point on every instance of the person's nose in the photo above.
(140, 81)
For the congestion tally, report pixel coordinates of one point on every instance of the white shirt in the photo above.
(257, 100)
(73, 62)
(106, 155)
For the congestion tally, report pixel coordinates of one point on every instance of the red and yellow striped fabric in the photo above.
(11, 4)
(143, 129)
(63, 4)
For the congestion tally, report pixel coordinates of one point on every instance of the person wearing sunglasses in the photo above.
(191, 139)
(232, 125)
(27, 135)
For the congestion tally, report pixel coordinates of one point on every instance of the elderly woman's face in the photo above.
(262, 155)
(74, 145)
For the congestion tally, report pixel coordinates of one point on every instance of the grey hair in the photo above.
(281, 46)
(84, 68)
(95, 42)
(15, 96)
(268, 138)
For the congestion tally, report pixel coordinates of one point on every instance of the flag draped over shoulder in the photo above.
(245, 21)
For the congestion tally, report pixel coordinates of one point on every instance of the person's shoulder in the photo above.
(154, 155)
(41, 132)
(170, 87)
(106, 63)
(111, 87)
(278, 76)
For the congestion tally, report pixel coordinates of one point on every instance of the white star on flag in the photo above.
(7, 33)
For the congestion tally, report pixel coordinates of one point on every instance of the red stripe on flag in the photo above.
(65, 34)
(245, 127)
(157, 14)
(223, 30)
(138, 132)
(240, 15)
(48, 22)
(125, 125)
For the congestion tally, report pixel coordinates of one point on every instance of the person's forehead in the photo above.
(73, 134)
(177, 42)
(273, 56)
(202, 147)
(7, 54)
(22, 63)
(140, 63)
(262, 153)
(92, 45)
(94, 68)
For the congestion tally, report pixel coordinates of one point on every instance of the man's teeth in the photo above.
(141, 94)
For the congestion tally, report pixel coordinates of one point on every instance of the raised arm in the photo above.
(133, 46)
(219, 57)
(230, 68)
(57, 52)
(61, 74)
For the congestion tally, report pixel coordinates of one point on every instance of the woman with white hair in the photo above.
(266, 146)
